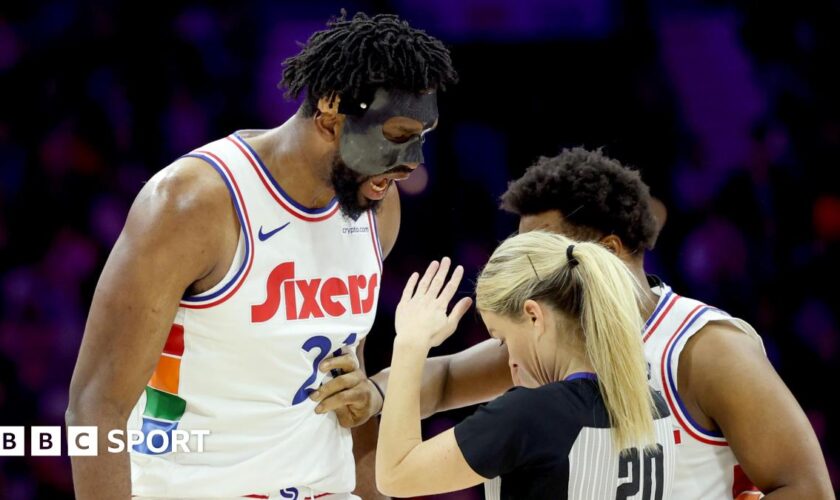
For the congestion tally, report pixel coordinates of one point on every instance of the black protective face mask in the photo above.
(363, 146)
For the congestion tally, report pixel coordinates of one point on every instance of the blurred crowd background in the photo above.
(731, 112)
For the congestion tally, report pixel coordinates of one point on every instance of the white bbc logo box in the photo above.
(45, 441)
(12, 441)
(82, 440)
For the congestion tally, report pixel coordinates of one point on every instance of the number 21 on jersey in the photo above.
(324, 346)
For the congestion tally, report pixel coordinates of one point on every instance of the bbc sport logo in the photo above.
(83, 441)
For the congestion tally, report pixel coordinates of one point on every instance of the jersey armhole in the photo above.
(669, 367)
(241, 264)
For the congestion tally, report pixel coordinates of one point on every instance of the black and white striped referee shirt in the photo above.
(554, 442)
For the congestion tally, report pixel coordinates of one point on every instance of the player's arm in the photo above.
(169, 241)
(475, 375)
(732, 381)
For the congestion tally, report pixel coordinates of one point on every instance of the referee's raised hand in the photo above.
(422, 317)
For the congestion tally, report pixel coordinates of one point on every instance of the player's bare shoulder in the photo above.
(720, 343)
(187, 187)
(716, 356)
(186, 209)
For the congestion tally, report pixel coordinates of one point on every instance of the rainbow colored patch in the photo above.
(164, 408)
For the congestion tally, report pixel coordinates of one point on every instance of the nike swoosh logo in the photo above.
(264, 236)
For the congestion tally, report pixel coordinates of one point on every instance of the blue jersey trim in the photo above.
(672, 383)
(659, 307)
(242, 222)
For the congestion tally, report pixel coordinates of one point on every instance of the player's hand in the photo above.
(350, 395)
(421, 317)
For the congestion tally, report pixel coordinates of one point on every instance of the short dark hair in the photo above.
(353, 57)
(595, 194)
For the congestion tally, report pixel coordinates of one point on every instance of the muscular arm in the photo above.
(475, 375)
(728, 376)
(168, 243)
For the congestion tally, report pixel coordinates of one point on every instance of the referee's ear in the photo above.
(535, 314)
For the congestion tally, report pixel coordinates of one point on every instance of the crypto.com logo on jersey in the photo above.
(45, 441)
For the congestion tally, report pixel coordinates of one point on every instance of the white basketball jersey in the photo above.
(242, 358)
(706, 467)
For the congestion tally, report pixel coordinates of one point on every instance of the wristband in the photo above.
(380, 393)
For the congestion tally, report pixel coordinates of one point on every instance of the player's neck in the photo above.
(649, 299)
(298, 165)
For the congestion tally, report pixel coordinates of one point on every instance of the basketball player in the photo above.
(738, 425)
(582, 423)
(246, 263)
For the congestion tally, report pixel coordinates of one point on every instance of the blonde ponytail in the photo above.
(612, 329)
(596, 287)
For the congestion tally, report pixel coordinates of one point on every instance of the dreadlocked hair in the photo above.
(353, 57)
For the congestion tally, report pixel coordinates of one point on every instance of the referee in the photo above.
(582, 422)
